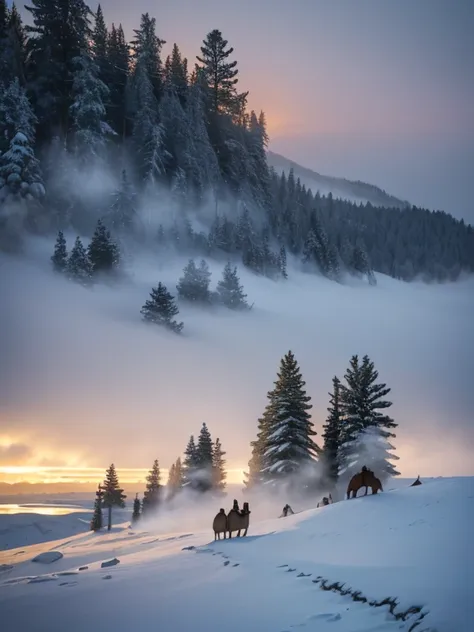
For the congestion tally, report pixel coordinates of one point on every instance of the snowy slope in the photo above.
(412, 544)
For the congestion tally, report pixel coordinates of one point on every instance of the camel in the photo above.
(366, 478)
(220, 525)
(236, 521)
(325, 501)
(417, 482)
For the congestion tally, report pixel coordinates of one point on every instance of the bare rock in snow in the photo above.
(48, 557)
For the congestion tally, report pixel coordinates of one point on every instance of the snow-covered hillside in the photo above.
(410, 545)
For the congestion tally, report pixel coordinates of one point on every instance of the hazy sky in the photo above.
(368, 90)
(83, 382)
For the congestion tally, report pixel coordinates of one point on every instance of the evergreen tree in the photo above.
(176, 76)
(103, 252)
(60, 32)
(371, 448)
(118, 67)
(218, 467)
(194, 284)
(136, 509)
(255, 476)
(148, 133)
(230, 291)
(331, 434)
(147, 47)
(361, 400)
(59, 257)
(289, 448)
(161, 308)
(113, 494)
(204, 460)
(20, 174)
(175, 479)
(96, 522)
(99, 48)
(190, 464)
(78, 266)
(220, 74)
(152, 495)
(123, 209)
(12, 44)
(88, 110)
(282, 262)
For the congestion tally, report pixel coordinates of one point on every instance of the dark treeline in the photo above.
(77, 96)
(202, 471)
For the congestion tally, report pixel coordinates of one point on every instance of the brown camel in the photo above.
(417, 482)
(366, 479)
(220, 525)
(236, 521)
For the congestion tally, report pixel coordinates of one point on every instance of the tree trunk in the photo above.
(109, 525)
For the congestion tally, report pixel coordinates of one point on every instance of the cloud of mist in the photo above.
(83, 378)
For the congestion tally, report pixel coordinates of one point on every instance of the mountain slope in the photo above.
(410, 544)
(339, 187)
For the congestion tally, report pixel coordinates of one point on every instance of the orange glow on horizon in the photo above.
(86, 475)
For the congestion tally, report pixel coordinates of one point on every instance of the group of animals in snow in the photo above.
(238, 519)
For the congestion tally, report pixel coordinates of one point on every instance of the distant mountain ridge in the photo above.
(355, 191)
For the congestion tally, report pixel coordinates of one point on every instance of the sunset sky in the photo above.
(369, 90)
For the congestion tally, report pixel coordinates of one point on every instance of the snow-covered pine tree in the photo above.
(362, 399)
(359, 264)
(204, 460)
(146, 88)
(136, 509)
(113, 493)
(97, 522)
(175, 479)
(88, 114)
(20, 173)
(16, 115)
(190, 464)
(331, 434)
(103, 252)
(161, 308)
(229, 290)
(59, 258)
(123, 210)
(193, 286)
(219, 473)
(61, 31)
(152, 495)
(203, 173)
(282, 262)
(255, 476)
(79, 268)
(290, 449)
(370, 448)
(147, 46)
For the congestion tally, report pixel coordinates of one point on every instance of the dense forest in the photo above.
(185, 158)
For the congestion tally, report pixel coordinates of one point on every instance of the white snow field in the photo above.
(412, 544)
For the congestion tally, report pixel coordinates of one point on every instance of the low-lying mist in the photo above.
(84, 381)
